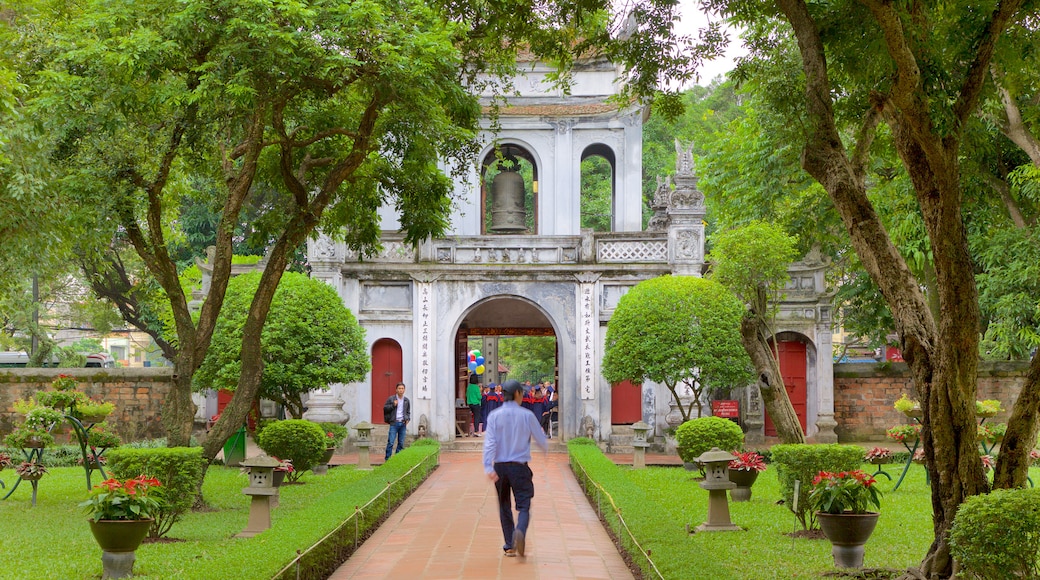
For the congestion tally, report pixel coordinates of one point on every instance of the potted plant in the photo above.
(94, 461)
(101, 436)
(878, 456)
(987, 408)
(1034, 456)
(30, 470)
(908, 406)
(284, 467)
(92, 411)
(26, 437)
(918, 457)
(843, 502)
(904, 433)
(5, 461)
(743, 471)
(121, 512)
(987, 463)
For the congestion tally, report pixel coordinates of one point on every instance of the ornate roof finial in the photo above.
(683, 158)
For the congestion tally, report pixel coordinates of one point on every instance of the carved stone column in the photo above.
(685, 217)
(326, 406)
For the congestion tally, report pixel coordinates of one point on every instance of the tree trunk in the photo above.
(1013, 464)
(755, 336)
(178, 411)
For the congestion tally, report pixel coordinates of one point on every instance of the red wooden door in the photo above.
(792, 369)
(386, 373)
(626, 403)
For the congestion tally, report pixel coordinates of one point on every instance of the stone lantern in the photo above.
(262, 489)
(639, 444)
(716, 465)
(364, 441)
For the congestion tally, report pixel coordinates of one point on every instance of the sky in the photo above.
(693, 18)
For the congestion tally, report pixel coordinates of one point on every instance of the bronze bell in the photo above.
(507, 203)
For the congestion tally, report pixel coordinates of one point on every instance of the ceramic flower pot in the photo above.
(32, 476)
(329, 452)
(848, 534)
(279, 477)
(744, 478)
(120, 535)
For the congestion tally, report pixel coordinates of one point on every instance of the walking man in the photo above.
(507, 450)
(397, 412)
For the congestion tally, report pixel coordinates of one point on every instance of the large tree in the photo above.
(310, 340)
(752, 263)
(921, 70)
(681, 332)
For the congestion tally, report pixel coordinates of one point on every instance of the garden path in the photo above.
(449, 528)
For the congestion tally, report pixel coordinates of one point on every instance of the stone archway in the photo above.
(501, 318)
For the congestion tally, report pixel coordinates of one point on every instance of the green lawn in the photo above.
(658, 503)
(53, 540)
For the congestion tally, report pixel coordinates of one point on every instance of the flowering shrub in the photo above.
(904, 433)
(992, 433)
(845, 492)
(878, 454)
(131, 499)
(748, 461)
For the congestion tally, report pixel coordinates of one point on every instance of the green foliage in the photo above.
(19, 438)
(528, 356)
(752, 262)
(696, 436)
(997, 536)
(597, 194)
(581, 441)
(300, 440)
(338, 433)
(844, 492)
(679, 331)
(309, 341)
(426, 442)
(179, 469)
(803, 463)
(132, 499)
(102, 436)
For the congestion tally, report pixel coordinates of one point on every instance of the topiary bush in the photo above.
(696, 436)
(300, 440)
(178, 469)
(801, 462)
(997, 536)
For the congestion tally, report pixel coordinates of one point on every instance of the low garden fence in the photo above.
(608, 510)
(319, 560)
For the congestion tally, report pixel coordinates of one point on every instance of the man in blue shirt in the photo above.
(507, 450)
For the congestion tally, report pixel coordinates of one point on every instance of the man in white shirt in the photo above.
(507, 450)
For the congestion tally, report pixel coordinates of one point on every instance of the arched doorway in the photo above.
(518, 341)
(792, 355)
(386, 373)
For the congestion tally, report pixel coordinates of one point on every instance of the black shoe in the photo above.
(518, 542)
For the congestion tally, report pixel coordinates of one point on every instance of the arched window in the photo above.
(597, 188)
(504, 212)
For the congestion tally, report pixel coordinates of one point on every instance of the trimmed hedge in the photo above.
(696, 436)
(178, 469)
(300, 440)
(997, 536)
(801, 462)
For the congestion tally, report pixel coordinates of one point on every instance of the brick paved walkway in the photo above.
(449, 528)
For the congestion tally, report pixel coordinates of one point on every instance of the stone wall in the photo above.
(138, 394)
(865, 392)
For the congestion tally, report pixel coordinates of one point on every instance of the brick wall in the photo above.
(138, 394)
(864, 394)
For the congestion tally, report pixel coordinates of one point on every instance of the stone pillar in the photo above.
(825, 381)
(489, 349)
(754, 416)
(686, 218)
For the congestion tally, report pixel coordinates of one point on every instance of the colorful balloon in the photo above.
(480, 369)
(480, 360)
(472, 366)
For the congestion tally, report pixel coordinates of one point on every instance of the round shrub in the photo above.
(997, 536)
(300, 440)
(334, 433)
(696, 436)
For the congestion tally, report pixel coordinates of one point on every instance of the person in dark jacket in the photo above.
(397, 412)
